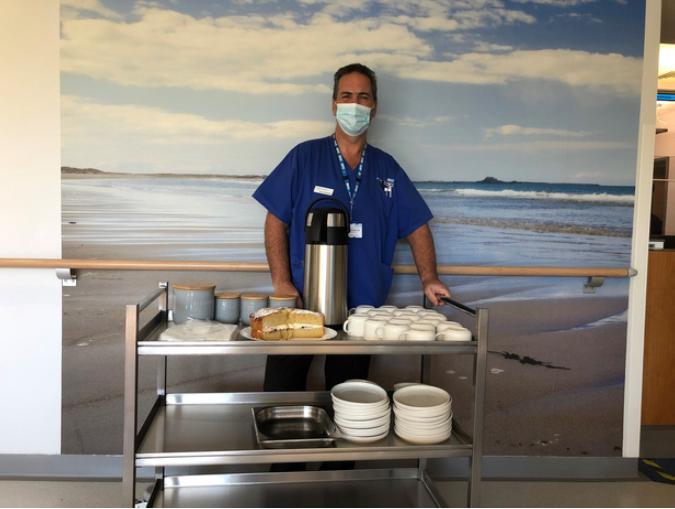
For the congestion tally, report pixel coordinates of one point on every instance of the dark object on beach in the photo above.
(528, 360)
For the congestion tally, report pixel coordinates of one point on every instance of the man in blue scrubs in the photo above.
(384, 206)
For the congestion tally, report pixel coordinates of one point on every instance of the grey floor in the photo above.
(634, 492)
(639, 493)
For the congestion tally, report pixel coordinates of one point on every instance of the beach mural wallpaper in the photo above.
(517, 119)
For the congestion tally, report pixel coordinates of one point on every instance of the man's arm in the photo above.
(422, 245)
(278, 257)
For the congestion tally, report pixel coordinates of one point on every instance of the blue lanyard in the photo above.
(345, 176)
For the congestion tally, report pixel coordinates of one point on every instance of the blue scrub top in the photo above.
(387, 205)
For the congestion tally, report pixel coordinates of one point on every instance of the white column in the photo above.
(637, 294)
(30, 227)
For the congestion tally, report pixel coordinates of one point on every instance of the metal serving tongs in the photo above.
(459, 305)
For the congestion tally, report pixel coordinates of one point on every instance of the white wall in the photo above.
(30, 208)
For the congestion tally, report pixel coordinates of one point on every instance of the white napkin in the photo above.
(200, 330)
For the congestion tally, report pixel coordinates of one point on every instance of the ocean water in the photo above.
(516, 224)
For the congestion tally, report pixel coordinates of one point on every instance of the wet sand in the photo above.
(550, 390)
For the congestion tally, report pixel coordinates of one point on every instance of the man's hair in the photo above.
(348, 69)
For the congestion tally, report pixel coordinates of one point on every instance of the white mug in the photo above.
(448, 325)
(363, 308)
(373, 329)
(410, 315)
(419, 325)
(421, 334)
(414, 309)
(401, 321)
(432, 321)
(388, 309)
(395, 332)
(430, 313)
(454, 335)
(374, 313)
(354, 324)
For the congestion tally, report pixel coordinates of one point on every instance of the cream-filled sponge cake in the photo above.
(274, 324)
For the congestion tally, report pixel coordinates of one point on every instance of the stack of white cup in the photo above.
(412, 323)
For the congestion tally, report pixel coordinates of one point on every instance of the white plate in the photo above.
(423, 440)
(361, 412)
(418, 432)
(363, 432)
(364, 440)
(361, 423)
(358, 394)
(417, 397)
(329, 334)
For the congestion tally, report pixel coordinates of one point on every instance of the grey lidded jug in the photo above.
(325, 286)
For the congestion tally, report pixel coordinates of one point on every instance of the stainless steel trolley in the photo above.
(216, 429)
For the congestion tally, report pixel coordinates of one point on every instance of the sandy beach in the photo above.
(552, 389)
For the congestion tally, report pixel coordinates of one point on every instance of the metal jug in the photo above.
(326, 237)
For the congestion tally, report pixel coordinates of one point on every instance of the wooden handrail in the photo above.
(465, 270)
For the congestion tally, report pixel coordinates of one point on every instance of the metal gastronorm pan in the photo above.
(294, 427)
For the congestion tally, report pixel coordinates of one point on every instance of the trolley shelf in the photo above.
(217, 429)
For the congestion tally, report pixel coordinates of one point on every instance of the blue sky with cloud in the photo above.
(542, 90)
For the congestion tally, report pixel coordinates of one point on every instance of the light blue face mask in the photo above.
(353, 118)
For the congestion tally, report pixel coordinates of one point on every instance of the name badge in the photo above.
(355, 230)
(326, 191)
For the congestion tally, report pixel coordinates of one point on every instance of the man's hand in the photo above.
(288, 289)
(435, 290)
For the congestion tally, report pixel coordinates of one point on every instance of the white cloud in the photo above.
(248, 54)
(85, 121)
(417, 123)
(281, 55)
(516, 130)
(74, 8)
(613, 73)
(543, 146)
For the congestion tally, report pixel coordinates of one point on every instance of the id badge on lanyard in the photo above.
(355, 229)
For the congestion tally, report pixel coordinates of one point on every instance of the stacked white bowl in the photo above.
(422, 414)
(362, 411)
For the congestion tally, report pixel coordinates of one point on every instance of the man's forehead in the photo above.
(355, 82)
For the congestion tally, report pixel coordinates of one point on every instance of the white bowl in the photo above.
(350, 415)
(423, 440)
(424, 421)
(423, 412)
(362, 423)
(358, 393)
(420, 397)
(423, 431)
(364, 432)
(364, 440)
(361, 407)
(356, 415)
